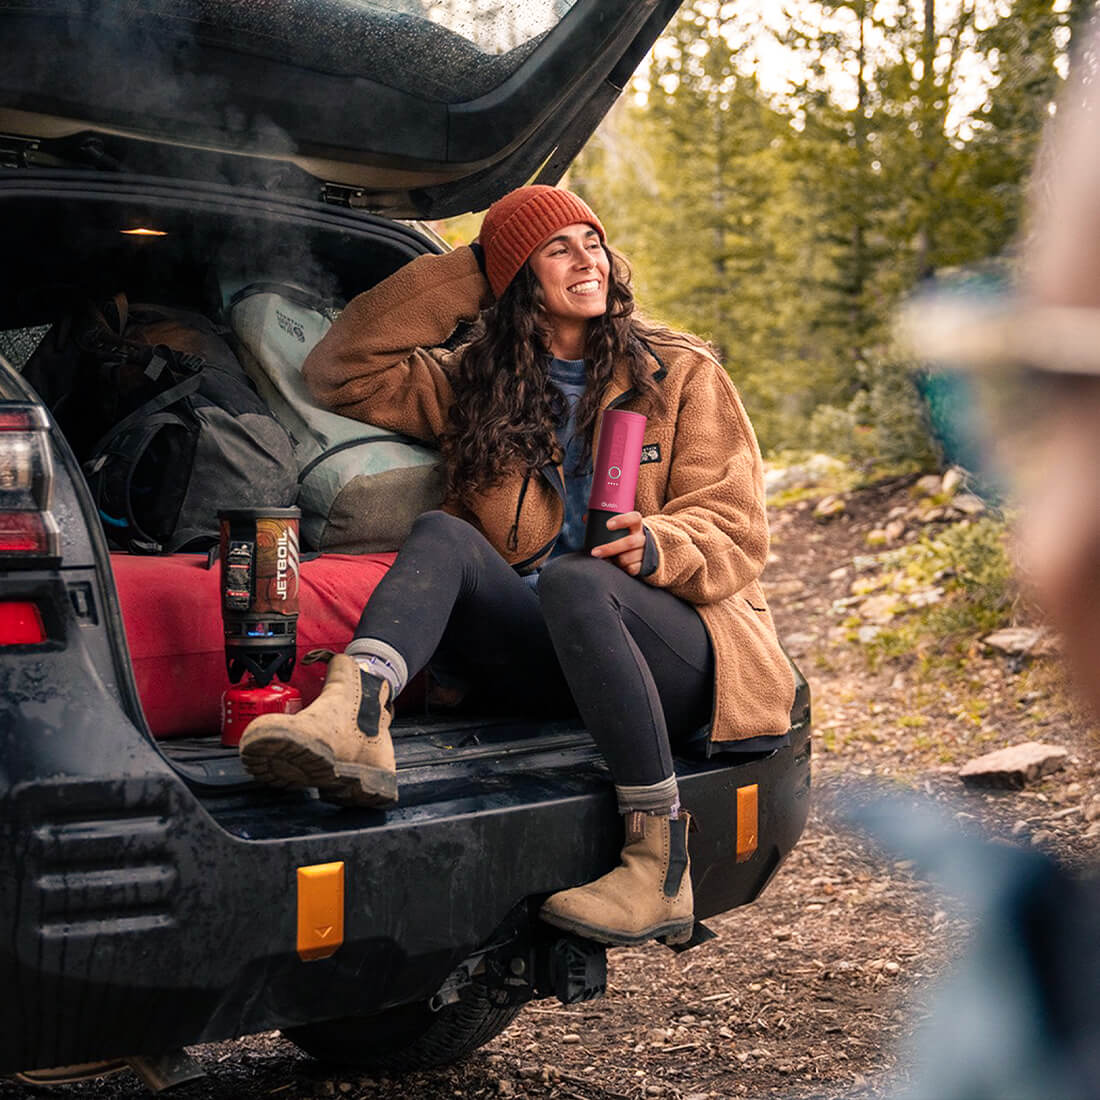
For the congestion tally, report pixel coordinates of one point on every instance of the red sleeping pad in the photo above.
(172, 613)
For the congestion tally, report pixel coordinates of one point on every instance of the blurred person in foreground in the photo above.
(1020, 1014)
(1034, 359)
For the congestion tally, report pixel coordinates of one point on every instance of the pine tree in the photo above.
(787, 230)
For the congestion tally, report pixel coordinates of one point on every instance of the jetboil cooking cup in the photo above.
(259, 589)
(259, 596)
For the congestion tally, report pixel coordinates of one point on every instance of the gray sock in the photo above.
(656, 799)
(380, 659)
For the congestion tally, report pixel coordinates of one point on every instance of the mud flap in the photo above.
(577, 970)
(699, 934)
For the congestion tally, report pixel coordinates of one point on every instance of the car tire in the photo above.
(408, 1037)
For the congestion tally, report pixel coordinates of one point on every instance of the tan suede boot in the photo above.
(339, 744)
(648, 896)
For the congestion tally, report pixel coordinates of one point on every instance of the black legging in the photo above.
(635, 660)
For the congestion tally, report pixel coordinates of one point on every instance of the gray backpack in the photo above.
(167, 426)
(361, 486)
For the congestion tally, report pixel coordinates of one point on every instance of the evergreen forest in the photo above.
(782, 209)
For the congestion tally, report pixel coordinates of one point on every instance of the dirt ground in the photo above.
(814, 990)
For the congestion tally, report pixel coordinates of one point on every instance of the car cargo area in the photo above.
(71, 237)
(68, 241)
(147, 877)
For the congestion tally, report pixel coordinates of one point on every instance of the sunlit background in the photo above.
(781, 176)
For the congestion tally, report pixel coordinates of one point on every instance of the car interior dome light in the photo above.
(144, 231)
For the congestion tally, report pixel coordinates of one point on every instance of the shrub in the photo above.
(883, 424)
(971, 563)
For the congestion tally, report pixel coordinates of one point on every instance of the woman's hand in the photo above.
(625, 552)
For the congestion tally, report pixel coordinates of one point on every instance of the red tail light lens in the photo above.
(28, 533)
(21, 623)
(27, 528)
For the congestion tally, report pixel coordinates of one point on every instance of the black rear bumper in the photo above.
(138, 917)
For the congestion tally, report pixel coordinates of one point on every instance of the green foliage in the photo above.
(977, 554)
(786, 229)
(971, 563)
(883, 425)
(459, 230)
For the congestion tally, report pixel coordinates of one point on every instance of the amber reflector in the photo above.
(747, 821)
(320, 910)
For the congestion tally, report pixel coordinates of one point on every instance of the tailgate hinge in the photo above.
(341, 194)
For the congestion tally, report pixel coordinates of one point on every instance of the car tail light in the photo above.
(28, 530)
(21, 623)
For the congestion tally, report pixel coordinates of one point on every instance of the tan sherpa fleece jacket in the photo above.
(700, 487)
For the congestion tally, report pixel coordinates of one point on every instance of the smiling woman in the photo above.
(571, 270)
(649, 636)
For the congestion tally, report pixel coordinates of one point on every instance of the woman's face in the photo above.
(572, 269)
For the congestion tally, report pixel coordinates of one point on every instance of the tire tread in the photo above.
(432, 1039)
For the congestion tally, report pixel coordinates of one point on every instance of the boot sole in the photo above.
(290, 762)
(671, 932)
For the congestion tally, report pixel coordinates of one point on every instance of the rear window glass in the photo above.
(494, 26)
(449, 51)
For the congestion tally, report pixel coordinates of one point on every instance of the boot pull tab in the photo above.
(677, 854)
(635, 826)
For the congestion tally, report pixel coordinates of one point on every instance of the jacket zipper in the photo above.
(513, 535)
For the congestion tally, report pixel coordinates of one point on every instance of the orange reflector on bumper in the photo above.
(320, 910)
(747, 821)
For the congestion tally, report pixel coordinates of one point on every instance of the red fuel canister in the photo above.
(248, 700)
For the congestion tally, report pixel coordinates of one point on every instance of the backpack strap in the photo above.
(359, 441)
(110, 473)
(143, 412)
(112, 315)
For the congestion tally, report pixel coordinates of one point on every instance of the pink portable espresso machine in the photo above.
(615, 474)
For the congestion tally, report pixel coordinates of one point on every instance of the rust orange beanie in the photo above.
(518, 223)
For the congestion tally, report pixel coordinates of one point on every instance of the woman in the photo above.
(651, 635)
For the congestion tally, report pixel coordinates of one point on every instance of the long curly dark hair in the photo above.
(505, 408)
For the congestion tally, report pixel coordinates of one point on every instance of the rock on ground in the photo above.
(1015, 766)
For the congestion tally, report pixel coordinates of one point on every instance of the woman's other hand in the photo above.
(625, 552)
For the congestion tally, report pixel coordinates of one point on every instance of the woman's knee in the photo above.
(442, 535)
(575, 581)
(438, 521)
(441, 527)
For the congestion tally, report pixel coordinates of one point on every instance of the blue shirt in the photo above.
(570, 376)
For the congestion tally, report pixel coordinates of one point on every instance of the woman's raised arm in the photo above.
(382, 362)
